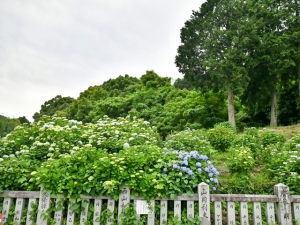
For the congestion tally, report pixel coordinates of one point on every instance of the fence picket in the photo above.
(30, 210)
(218, 213)
(204, 203)
(111, 207)
(163, 211)
(231, 213)
(270, 213)
(44, 204)
(190, 209)
(58, 215)
(244, 217)
(6, 207)
(296, 212)
(97, 211)
(70, 215)
(257, 213)
(284, 212)
(20, 204)
(84, 213)
(177, 209)
(124, 200)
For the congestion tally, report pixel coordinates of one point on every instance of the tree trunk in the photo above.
(298, 69)
(273, 122)
(231, 117)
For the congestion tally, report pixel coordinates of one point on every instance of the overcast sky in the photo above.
(61, 47)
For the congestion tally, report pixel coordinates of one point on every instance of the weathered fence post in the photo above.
(124, 200)
(204, 203)
(283, 207)
(44, 204)
(7, 203)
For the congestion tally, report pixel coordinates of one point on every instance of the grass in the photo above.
(287, 131)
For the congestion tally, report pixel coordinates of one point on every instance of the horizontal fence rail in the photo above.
(29, 207)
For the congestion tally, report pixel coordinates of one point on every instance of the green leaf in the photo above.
(75, 206)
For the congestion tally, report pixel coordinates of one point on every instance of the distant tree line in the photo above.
(8, 124)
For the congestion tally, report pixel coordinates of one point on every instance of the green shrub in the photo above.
(224, 124)
(220, 137)
(284, 165)
(190, 140)
(249, 139)
(241, 160)
(269, 137)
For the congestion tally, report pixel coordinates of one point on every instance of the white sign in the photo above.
(143, 207)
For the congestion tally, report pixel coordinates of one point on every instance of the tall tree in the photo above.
(215, 52)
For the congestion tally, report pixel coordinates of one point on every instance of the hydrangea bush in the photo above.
(71, 158)
(284, 163)
(190, 140)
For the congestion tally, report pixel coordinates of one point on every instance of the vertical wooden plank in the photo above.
(135, 204)
(29, 211)
(218, 213)
(58, 215)
(284, 209)
(231, 213)
(70, 215)
(177, 209)
(190, 209)
(257, 213)
(44, 204)
(270, 213)
(97, 211)
(111, 207)
(84, 213)
(124, 200)
(204, 203)
(7, 202)
(296, 212)
(151, 216)
(20, 204)
(163, 212)
(244, 218)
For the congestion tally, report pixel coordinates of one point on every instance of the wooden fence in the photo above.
(281, 208)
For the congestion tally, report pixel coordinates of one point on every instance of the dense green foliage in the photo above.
(52, 106)
(71, 158)
(7, 124)
(251, 49)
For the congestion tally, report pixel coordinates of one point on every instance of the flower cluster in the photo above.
(192, 167)
(241, 160)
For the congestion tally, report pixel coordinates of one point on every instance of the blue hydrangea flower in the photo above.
(165, 169)
(203, 157)
(214, 188)
(210, 174)
(198, 164)
(185, 162)
(190, 172)
(175, 166)
(183, 168)
(199, 170)
(215, 181)
(194, 154)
